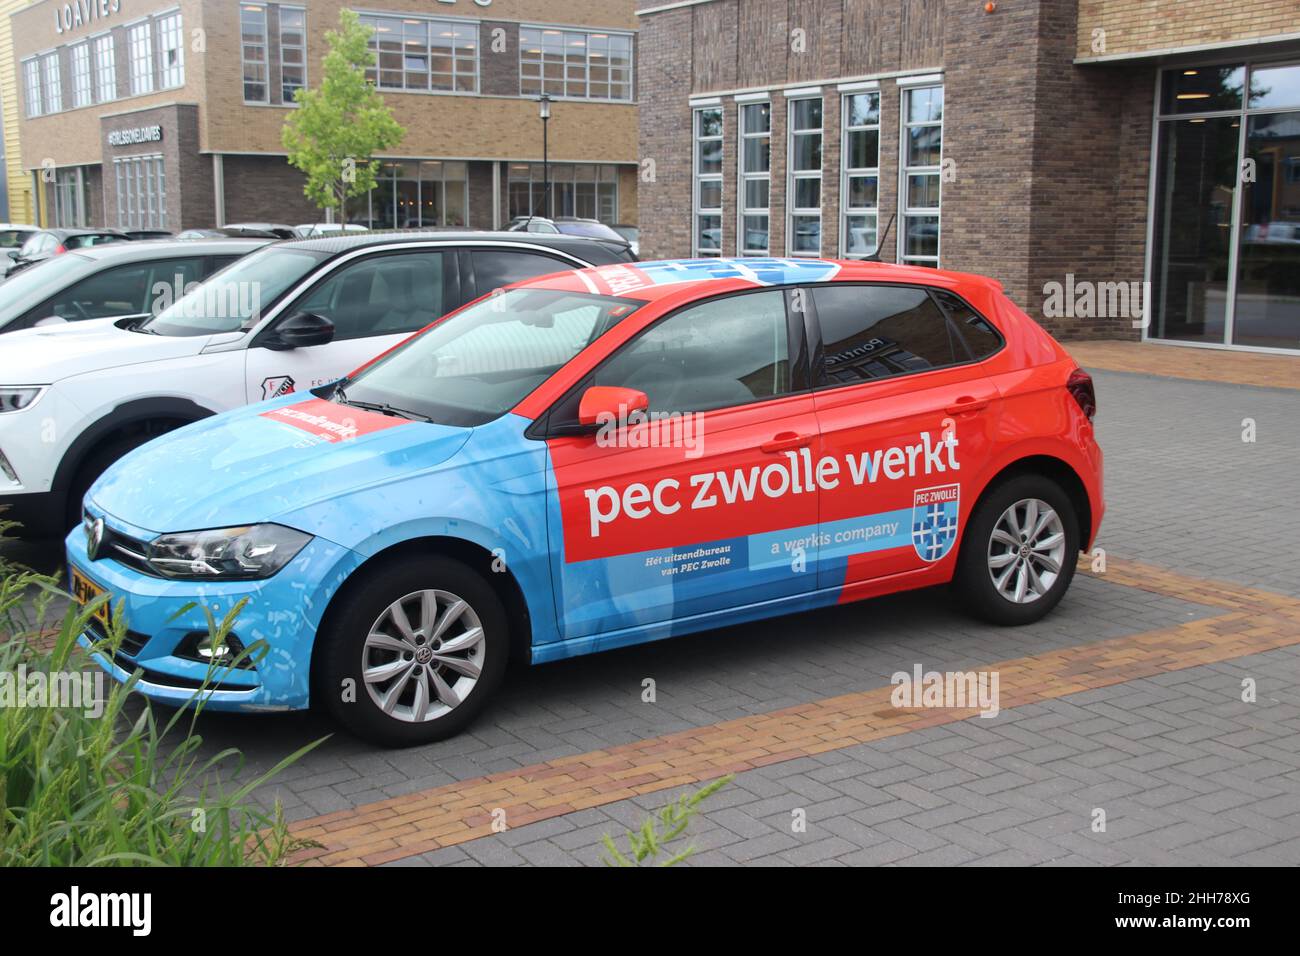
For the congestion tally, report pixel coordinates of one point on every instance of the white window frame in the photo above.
(698, 178)
(848, 172)
(532, 63)
(264, 45)
(793, 177)
(105, 68)
(433, 27)
(141, 192)
(906, 212)
(68, 198)
(171, 39)
(139, 44)
(32, 82)
(300, 47)
(82, 92)
(51, 83)
(743, 177)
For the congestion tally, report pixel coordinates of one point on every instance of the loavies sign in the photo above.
(69, 16)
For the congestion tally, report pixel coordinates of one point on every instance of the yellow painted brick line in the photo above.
(392, 829)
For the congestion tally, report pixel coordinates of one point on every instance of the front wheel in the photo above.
(418, 649)
(1019, 553)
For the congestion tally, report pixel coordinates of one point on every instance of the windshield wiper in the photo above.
(382, 407)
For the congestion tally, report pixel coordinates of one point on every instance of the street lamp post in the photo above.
(544, 111)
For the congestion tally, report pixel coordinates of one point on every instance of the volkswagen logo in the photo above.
(94, 537)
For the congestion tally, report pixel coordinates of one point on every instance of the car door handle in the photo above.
(967, 404)
(784, 441)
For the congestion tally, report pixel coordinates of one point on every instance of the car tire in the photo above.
(98, 462)
(1014, 582)
(418, 690)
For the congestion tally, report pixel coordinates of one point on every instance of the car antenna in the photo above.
(875, 256)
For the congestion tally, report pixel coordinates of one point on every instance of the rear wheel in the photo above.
(415, 653)
(1019, 553)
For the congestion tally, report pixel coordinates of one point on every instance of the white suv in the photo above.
(290, 317)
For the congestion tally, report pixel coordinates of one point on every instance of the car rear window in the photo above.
(872, 332)
(981, 338)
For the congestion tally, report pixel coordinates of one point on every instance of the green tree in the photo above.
(336, 130)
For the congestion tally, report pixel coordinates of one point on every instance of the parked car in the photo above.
(290, 317)
(535, 224)
(200, 234)
(147, 234)
(312, 230)
(844, 430)
(568, 226)
(630, 233)
(259, 230)
(121, 280)
(48, 243)
(12, 237)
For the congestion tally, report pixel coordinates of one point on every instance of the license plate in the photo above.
(84, 592)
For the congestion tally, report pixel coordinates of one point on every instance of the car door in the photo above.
(374, 301)
(706, 505)
(907, 414)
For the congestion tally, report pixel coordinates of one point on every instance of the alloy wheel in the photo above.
(1026, 551)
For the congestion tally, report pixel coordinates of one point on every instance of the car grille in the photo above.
(127, 551)
(133, 642)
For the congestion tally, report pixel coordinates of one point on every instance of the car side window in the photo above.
(494, 268)
(121, 290)
(380, 295)
(872, 332)
(981, 339)
(716, 354)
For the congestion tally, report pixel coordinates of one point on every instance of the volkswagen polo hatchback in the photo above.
(590, 460)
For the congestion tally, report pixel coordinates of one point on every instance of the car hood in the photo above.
(263, 461)
(45, 355)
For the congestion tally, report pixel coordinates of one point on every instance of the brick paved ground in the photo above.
(1126, 699)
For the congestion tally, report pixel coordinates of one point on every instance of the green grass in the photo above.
(125, 788)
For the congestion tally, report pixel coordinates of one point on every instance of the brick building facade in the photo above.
(158, 114)
(1024, 143)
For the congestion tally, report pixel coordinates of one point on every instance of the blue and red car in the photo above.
(595, 459)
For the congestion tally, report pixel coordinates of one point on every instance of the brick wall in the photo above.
(1131, 26)
(265, 189)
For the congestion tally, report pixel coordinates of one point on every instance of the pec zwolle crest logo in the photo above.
(934, 520)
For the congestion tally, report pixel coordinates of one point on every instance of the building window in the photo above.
(755, 177)
(105, 69)
(804, 191)
(707, 239)
(918, 187)
(140, 45)
(252, 29)
(421, 55)
(81, 75)
(584, 190)
(575, 64)
(293, 52)
(32, 77)
(412, 194)
(52, 93)
(860, 186)
(171, 51)
(67, 196)
(141, 192)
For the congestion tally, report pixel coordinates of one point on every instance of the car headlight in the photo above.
(14, 398)
(246, 553)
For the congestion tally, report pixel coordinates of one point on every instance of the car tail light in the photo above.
(60, 249)
(1080, 386)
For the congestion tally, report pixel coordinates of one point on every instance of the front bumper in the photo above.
(284, 611)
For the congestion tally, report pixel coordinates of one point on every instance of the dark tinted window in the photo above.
(122, 290)
(871, 332)
(383, 295)
(94, 239)
(722, 352)
(494, 268)
(979, 335)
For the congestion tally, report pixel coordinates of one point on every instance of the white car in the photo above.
(290, 317)
(313, 230)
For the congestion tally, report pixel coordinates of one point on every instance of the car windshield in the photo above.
(481, 362)
(237, 296)
(595, 230)
(37, 282)
(13, 238)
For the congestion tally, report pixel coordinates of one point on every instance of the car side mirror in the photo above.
(300, 330)
(12, 254)
(603, 403)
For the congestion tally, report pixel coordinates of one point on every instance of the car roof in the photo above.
(144, 249)
(83, 232)
(346, 242)
(648, 281)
